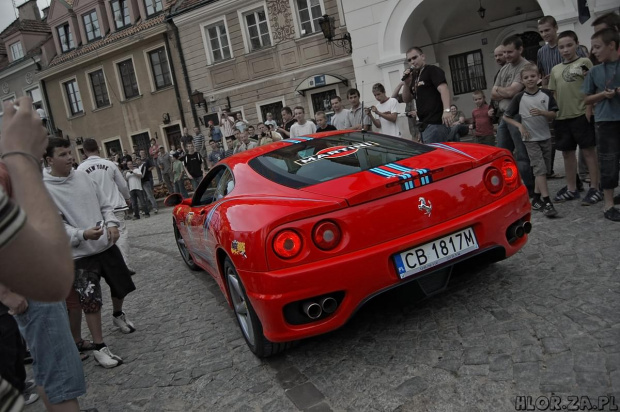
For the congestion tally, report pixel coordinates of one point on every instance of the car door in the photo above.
(209, 195)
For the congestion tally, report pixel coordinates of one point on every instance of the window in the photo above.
(91, 25)
(275, 109)
(218, 42)
(258, 31)
(73, 97)
(100, 91)
(65, 37)
(153, 6)
(35, 95)
(160, 69)
(120, 10)
(17, 51)
(309, 14)
(467, 72)
(128, 78)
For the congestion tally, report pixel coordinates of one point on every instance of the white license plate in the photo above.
(433, 253)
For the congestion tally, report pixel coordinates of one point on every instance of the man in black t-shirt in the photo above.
(428, 86)
(192, 162)
(146, 168)
(287, 121)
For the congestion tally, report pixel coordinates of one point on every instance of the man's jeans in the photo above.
(196, 181)
(138, 195)
(168, 180)
(148, 190)
(179, 187)
(509, 137)
(435, 133)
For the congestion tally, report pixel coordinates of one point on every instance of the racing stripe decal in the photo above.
(298, 139)
(452, 149)
(392, 170)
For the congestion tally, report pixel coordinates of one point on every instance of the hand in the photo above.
(374, 110)
(22, 130)
(524, 133)
(413, 113)
(409, 78)
(128, 202)
(367, 111)
(491, 112)
(471, 127)
(16, 303)
(447, 118)
(94, 233)
(609, 93)
(536, 112)
(113, 234)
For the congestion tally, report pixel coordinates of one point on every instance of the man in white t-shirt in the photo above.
(340, 119)
(386, 111)
(302, 127)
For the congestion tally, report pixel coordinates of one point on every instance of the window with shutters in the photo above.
(467, 71)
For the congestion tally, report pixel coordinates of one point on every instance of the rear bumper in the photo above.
(365, 273)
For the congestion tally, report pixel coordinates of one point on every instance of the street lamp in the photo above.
(198, 99)
(327, 27)
(481, 11)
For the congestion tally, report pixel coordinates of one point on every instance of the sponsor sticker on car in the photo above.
(334, 152)
(433, 253)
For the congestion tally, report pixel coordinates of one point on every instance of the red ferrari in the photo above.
(302, 232)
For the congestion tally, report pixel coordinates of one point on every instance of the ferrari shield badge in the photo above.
(238, 248)
(426, 208)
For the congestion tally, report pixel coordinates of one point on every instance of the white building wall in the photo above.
(376, 28)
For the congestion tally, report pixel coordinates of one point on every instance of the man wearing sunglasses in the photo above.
(428, 86)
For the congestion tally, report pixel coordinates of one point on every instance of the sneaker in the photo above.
(564, 195)
(155, 211)
(549, 210)
(537, 204)
(105, 358)
(30, 398)
(612, 214)
(123, 323)
(592, 197)
(30, 386)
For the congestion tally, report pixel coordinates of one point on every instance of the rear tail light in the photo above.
(493, 180)
(287, 244)
(510, 172)
(326, 235)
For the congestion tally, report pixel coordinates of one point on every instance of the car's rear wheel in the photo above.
(251, 327)
(187, 258)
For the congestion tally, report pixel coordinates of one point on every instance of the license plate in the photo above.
(436, 252)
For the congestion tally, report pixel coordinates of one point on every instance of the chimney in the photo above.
(45, 11)
(29, 11)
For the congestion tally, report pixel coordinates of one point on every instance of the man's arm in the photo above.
(121, 184)
(48, 277)
(445, 100)
(506, 92)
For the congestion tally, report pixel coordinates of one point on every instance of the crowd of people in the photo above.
(73, 216)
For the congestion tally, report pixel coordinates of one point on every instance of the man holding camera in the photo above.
(427, 85)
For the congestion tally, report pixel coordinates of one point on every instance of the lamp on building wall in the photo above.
(327, 27)
(79, 140)
(481, 11)
(166, 118)
(198, 99)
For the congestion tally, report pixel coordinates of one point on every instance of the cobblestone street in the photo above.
(545, 321)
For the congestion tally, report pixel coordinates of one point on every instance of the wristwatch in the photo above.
(446, 110)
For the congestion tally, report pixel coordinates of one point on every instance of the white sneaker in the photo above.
(123, 323)
(30, 398)
(106, 359)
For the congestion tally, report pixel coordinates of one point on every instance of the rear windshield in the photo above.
(308, 162)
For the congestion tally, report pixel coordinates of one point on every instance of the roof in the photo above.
(34, 51)
(110, 38)
(32, 26)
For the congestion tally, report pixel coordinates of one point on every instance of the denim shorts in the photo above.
(57, 366)
(608, 143)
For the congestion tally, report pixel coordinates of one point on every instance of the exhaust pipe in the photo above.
(527, 227)
(515, 231)
(312, 309)
(329, 304)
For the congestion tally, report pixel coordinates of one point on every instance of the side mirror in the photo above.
(173, 199)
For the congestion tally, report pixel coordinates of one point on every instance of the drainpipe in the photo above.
(176, 86)
(175, 29)
(50, 118)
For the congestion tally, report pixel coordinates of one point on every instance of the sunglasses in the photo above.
(413, 58)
